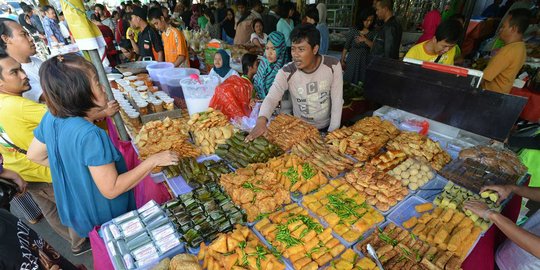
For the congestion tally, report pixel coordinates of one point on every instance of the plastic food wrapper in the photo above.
(247, 123)
(232, 97)
(420, 126)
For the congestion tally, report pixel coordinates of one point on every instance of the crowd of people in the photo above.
(48, 109)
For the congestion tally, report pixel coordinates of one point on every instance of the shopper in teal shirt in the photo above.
(90, 179)
(285, 25)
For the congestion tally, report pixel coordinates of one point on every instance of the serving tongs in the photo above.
(373, 255)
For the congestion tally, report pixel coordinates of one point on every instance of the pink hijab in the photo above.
(430, 23)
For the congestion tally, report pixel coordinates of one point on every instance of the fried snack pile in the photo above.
(325, 159)
(351, 260)
(239, 249)
(388, 160)
(343, 209)
(448, 229)
(421, 147)
(398, 249)
(413, 173)
(286, 131)
(204, 120)
(502, 159)
(296, 175)
(379, 188)
(300, 237)
(158, 136)
(256, 189)
(364, 139)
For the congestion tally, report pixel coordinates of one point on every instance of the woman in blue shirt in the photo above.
(90, 180)
(285, 25)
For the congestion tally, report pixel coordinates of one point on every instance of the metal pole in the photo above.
(118, 122)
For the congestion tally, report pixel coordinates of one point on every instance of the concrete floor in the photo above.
(61, 245)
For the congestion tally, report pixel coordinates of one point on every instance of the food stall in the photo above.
(294, 199)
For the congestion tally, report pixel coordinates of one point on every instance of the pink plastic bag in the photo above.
(99, 251)
(146, 190)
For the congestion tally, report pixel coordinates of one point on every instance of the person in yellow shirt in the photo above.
(441, 48)
(174, 42)
(502, 69)
(18, 119)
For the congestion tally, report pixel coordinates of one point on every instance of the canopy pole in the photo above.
(118, 122)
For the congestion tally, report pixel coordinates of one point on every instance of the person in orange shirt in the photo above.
(174, 42)
(502, 69)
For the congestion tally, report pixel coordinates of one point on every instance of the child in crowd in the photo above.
(222, 67)
(250, 64)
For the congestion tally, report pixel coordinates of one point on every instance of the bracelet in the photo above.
(485, 215)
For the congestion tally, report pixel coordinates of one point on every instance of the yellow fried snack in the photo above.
(423, 207)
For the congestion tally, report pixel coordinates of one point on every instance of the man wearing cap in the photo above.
(149, 42)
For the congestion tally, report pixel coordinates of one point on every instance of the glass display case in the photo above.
(340, 13)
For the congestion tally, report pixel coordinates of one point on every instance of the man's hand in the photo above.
(112, 108)
(478, 208)
(20, 183)
(503, 191)
(131, 35)
(258, 130)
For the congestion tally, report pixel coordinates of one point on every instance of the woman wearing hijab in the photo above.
(274, 60)
(227, 25)
(429, 25)
(222, 68)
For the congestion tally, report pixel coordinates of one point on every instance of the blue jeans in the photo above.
(226, 38)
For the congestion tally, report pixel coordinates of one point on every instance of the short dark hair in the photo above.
(284, 9)
(387, 4)
(520, 18)
(46, 8)
(307, 32)
(5, 30)
(26, 8)
(255, 3)
(241, 3)
(155, 13)
(364, 15)
(255, 21)
(248, 60)
(449, 30)
(208, 12)
(313, 12)
(95, 17)
(3, 55)
(102, 7)
(67, 85)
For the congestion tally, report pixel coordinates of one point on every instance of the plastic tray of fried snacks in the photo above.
(319, 247)
(346, 243)
(399, 249)
(351, 259)
(407, 211)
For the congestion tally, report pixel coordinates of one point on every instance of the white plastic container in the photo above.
(157, 68)
(198, 93)
(170, 80)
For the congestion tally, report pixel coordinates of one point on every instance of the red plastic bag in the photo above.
(232, 97)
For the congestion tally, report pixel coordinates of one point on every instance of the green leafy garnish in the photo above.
(250, 186)
(262, 216)
(406, 251)
(308, 221)
(242, 244)
(387, 239)
(313, 250)
(344, 207)
(292, 174)
(284, 235)
(308, 171)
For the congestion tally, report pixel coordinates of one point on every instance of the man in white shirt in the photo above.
(20, 45)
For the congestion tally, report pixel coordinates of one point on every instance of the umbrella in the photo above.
(90, 39)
